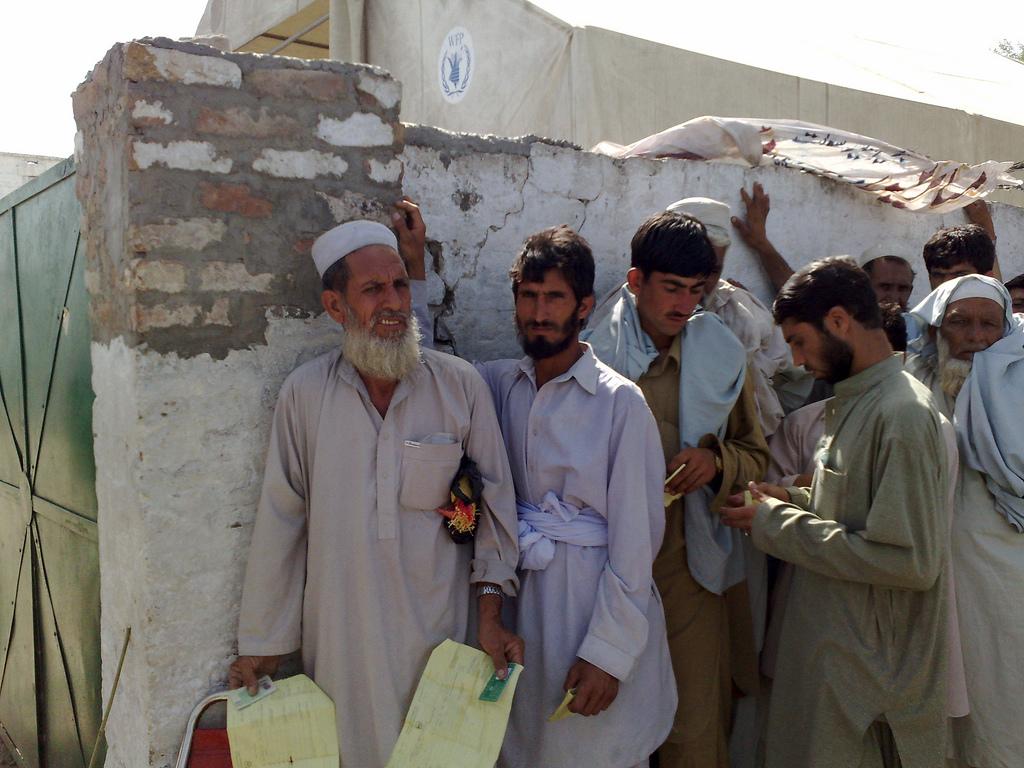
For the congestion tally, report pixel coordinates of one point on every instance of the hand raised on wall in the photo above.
(412, 236)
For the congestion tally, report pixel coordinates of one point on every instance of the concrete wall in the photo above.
(482, 197)
(16, 170)
(204, 178)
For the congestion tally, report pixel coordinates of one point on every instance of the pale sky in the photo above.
(49, 47)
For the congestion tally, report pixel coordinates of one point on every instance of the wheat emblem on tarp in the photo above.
(456, 64)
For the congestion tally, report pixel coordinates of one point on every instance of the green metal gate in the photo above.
(49, 563)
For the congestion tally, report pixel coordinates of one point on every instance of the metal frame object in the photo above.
(190, 728)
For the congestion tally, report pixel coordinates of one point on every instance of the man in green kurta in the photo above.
(861, 673)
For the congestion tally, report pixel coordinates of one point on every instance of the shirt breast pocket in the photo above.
(829, 493)
(428, 468)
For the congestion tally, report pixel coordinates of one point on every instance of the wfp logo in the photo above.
(455, 64)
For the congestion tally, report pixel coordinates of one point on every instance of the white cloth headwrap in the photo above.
(555, 520)
(932, 309)
(712, 369)
(335, 244)
(987, 414)
(715, 216)
(879, 250)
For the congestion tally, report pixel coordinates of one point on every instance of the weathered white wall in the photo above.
(482, 198)
(16, 170)
(180, 444)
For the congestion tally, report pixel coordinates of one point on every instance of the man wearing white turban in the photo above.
(742, 312)
(973, 360)
(350, 560)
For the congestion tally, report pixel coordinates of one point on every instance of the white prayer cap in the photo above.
(878, 250)
(715, 216)
(932, 310)
(335, 244)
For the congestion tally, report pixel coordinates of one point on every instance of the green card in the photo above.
(494, 688)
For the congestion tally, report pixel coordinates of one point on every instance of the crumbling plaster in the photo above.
(180, 446)
(481, 198)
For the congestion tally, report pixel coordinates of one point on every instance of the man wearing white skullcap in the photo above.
(891, 275)
(742, 312)
(358, 556)
(973, 361)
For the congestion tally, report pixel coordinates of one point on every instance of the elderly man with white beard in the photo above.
(350, 559)
(974, 364)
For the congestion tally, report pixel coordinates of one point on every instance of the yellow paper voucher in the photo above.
(447, 725)
(294, 727)
(563, 709)
(670, 497)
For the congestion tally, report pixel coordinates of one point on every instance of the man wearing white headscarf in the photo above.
(351, 560)
(742, 312)
(973, 360)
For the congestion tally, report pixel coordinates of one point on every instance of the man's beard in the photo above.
(952, 371)
(540, 348)
(382, 358)
(837, 356)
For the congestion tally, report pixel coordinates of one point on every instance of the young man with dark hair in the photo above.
(692, 370)
(588, 472)
(957, 251)
(744, 314)
(861, 672)
(587, 468)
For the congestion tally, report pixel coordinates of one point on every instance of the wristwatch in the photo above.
(489, 589)
(719, 467)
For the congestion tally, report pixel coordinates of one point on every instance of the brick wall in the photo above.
(205, 176)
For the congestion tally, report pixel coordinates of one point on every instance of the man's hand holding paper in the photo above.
(595, 689)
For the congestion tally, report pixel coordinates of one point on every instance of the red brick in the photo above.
(242, 122)
(234, 198)
(303, 246)
(300, 83)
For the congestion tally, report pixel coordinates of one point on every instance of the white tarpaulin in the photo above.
(520, 70)
(900, 177)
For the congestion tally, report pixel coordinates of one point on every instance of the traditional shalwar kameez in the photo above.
(988, 565)
(588, 438)
(702, 395)
(349, 560)
(863, 645)
(987, 543)
(709, 652)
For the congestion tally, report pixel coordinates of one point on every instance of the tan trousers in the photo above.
(697, 622)
(879, 749)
